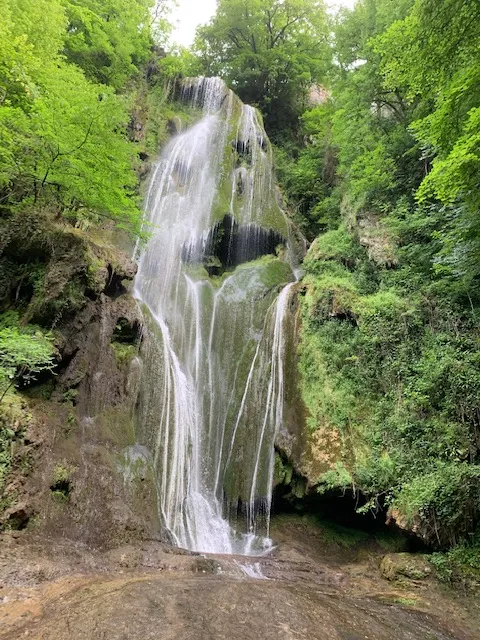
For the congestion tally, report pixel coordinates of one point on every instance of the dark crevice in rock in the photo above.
(66, 360)
(229, 244)
(24, 293)
(262, 142)
(127, 332)
(91, 294)
(30, 382)
(62, 489)
(114, 287)
(293, 494)
(19, 518)
(344, 316)
(242, 147)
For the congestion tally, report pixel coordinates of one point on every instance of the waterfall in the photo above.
(213, 280)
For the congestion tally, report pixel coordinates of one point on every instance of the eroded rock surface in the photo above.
(308, 589)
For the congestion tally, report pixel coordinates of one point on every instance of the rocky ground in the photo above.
(313, 586)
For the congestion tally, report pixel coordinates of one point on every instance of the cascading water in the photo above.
(213, 280)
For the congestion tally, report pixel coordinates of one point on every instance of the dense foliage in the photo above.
(63, 141)
(390, 350)
(108, 39)
(269, 51)
(24, 352)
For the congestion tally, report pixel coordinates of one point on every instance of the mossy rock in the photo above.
(124, 353)
(207, 565)
(283, 472)
(395, 566)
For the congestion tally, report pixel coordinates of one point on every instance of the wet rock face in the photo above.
(49, 271)
(112, 494)
(89, 364)
(195, 91)
(201, 607)
(309, 453)
(81, 419)
(229, 244)
(309, 588)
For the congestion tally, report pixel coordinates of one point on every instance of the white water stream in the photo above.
(213, 372)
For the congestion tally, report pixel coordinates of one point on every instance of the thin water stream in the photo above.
(214, 283)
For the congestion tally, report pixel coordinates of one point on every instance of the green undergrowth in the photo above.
(405, 602)
(62, 482)
(124, 353)
(25, 352)
(396, 373)
(460, 565)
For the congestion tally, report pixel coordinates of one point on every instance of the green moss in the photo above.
(7, 500)
(283, 472)
(337, 245)
(271, 272)
(160, 112)
(115, 425)
(62, 473)
(70, 396)
(386, 370)
(228, 202)
(405, 566)
(279, 471)
(298, 486)
(61, 485)
(460, 565)
(59, 496)
(196, 272)
(124, 353)
(405, 602)
(95, 279)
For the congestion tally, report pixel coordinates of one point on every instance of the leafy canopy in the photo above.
(433, 55)
(63, 135)
(270, 51)
(108, 39)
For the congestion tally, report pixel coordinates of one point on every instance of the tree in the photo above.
(377, 159)
(23, 355)
(270, 51)
(356, 147)
(108, 39)
(63, 140)
(433, 54)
